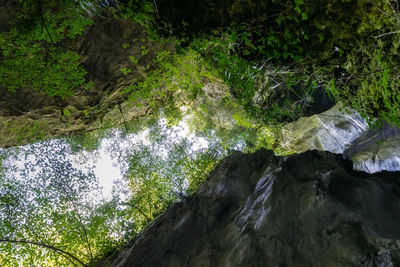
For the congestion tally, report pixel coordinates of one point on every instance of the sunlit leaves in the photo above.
(52, 70)
(177, 76)
(31, 59)
(165, 171)
(45, 201)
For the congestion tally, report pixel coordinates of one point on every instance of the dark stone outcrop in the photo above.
(322, 101)
(8, 9)
(257, 209)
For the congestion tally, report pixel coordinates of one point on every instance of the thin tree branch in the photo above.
(62, 252)
(33, 232)
(394, 10)
(384, 34)
(70, 260)
(156, 9)
(123, 117)
(137, 208)
(40, 8)
(378, 70)
(79, 219)
(382, 11)
(51, 39)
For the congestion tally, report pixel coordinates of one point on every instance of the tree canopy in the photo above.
(52, 209)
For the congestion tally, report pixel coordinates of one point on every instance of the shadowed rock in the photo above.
(257, 209)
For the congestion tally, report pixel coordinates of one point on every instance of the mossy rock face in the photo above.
(349, 46)
(103, 55)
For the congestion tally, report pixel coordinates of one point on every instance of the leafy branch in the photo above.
(136, 208)
(64, 253)
(79, 219)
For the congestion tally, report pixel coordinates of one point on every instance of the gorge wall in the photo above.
(31, 115)
(258, 209)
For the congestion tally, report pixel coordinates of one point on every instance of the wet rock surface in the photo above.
(376, 150)
(258, 209)
(333, 130)
(345, 132)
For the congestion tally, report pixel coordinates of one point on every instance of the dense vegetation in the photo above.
(40, 28)
(272, 55)
(348, 47)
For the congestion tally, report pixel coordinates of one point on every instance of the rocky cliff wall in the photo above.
(104, 48)
(257, 209)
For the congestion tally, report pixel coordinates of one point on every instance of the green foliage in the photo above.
(349, 42)
(46, 204)
(88, 141)
(138, 11)
(355, 44)
(373, 90)
(133, 60)
(358, 51)
(350, 46)
(225, 52)
(236, 71)
(242, 120)
(50, 212)
(52, 70)
(198, 169)
(175, 73)
(51, 21)
(145, 51)
(31, 57)
(66, 113)
(163, 172)
(29, 131)
(125, 70)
